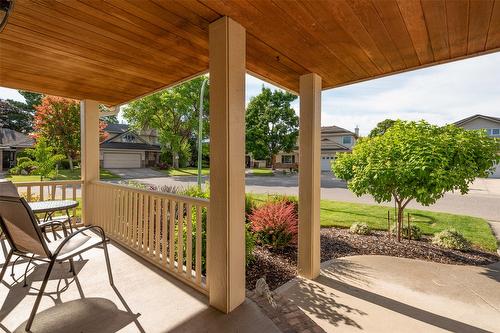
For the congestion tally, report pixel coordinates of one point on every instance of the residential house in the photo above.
(334, 139)
(488, 123)
(126, 148)
(11, 143)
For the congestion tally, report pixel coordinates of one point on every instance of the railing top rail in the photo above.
(183, 198)
(49, 183)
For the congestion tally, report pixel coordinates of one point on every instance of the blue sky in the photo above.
(440, 94)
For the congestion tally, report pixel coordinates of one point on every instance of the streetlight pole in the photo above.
(200, 130)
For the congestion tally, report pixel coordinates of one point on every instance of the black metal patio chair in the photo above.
(25, 238)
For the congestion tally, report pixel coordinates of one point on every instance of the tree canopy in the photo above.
(271, 124)
(417, 161)
(57, 120)
(174, 114)
(381, 128)
(14, 117)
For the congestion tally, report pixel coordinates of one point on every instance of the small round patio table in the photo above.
(49, 208)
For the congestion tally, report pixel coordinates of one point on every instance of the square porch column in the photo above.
(309, 175)
(89, 127)
(226, 225)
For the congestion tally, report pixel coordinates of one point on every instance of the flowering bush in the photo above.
(451, 239)
(275, 224)
(360, 228)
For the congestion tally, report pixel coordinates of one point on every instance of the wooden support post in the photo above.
(89, 126)
(226, 225)
(309, 175)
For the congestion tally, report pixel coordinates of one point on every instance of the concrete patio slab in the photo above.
(145, 300)
(388, 294)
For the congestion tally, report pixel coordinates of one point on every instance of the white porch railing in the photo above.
(52, 190)
(165, 229)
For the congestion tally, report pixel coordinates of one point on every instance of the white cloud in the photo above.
(6, 93)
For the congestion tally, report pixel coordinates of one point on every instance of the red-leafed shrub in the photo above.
(275, 223)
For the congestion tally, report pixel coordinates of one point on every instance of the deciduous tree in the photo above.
(417, 161)
(57, 120)
(271, 124)
(174, 114)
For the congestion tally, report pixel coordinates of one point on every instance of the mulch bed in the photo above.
(280, 266)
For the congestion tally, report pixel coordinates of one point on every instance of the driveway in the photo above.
(388, 294)
(483, 199)
(141, 173)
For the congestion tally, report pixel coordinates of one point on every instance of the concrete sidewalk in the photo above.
(388, 294)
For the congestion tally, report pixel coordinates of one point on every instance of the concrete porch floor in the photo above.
(388, 294)
(145, 300)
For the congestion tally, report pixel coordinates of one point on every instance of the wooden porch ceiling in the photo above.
(116, 50)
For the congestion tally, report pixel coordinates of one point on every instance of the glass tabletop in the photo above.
(52, 205)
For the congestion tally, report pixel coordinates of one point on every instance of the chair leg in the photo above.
(7, 261)
(39, 296)
(108, 263)
(72, 267)
(26, 271)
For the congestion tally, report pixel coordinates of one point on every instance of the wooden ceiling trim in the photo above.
(58, 61)
(123, 19)
(479, 22)
(125, 32)
(328, 36)
(367, 15)
(22, 80)
(78, 31)
(413, 16)
(297, 44)
(149, 11)
(200, 9)
(392, 18)
(435, 17)
(56, 49)
(78, 79)
(345, 17)
(457, 13)
(493, 39)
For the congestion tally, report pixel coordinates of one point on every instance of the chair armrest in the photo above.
(63, 243)
(51, 223)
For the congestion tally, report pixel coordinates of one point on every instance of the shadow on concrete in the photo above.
(388, 303)
(492, 271)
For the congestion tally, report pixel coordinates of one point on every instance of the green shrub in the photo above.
(451, 239)
(195, 192)
(360, 228)
(416, 232)
(250, 204)
(249, 244)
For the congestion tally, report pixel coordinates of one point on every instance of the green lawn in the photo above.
(262, 172)
(62, 175)
(189, 171)
(343, 214)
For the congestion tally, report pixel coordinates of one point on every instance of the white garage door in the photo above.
(122, 160)
(326, 163)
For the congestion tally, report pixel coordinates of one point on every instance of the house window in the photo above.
(129, 138)
(347, 140)
(493, 131)
(287, 159)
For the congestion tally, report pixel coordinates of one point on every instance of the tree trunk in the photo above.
(400, 221)
(273, 160)
(175, 160)
(70, 160)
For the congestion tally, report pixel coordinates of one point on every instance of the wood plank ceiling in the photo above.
(116, 50)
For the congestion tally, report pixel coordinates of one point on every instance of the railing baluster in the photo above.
(172, 234)
(151, 226)
(198, 243)
(189, 243)
(41, 193)
(157, 228)
(164, 232)
(145, 229)
(28, 193)
(180, 240)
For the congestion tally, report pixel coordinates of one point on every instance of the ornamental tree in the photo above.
(271, 124)
(57, 120)
(417, 161)
(43, 159)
